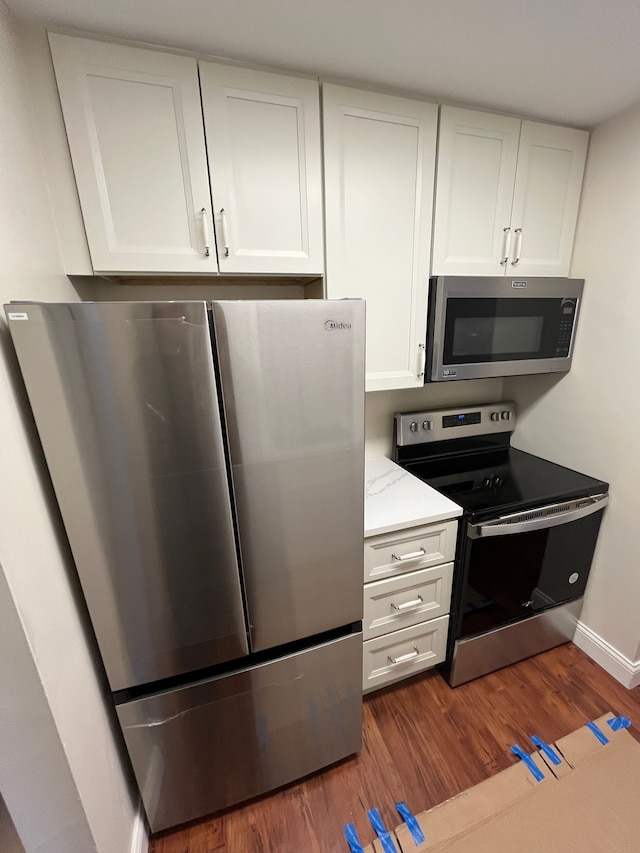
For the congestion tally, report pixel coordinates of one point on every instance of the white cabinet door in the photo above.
(134, 125)
(547, 194)
(477, 156)
(379, 159)
(507, 195)
(263, 143)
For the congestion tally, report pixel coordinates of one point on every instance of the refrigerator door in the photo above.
(200, 748)
(124, 398)
(292, 377)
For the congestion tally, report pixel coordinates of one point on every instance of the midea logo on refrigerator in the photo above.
(518, 284)
(332, 325)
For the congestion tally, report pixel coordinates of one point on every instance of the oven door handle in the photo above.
(518, 523)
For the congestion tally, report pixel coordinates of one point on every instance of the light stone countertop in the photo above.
(395, 499)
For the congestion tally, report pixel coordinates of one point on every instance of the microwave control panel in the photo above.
(564, 336)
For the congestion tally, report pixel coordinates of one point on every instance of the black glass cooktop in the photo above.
(502, 481)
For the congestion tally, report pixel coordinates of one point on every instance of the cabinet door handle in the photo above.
(412, 556)
(518, 233)
(422, 354)
(408, 604)
(405, 658)
(225, 236)
(506, 246)
(205, 233)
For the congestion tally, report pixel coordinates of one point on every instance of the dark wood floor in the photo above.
(423, 743)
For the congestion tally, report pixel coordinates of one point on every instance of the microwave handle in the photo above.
(506, 246)
(504, 527)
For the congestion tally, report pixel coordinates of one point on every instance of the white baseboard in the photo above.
(609, 658)
(140, 836)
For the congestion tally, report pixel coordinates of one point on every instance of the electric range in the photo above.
(526, 538)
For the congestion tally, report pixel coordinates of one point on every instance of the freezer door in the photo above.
(292, 376)
(124, 398)
(213, 744)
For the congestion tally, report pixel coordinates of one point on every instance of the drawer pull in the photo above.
(405, 658)
(408, 604)
(412, 556)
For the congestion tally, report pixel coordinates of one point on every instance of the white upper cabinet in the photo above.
(263, 142)
(379, 160)
(134, 124)
(477, 157)
(134, 121)
(507, 195)
(546, 198)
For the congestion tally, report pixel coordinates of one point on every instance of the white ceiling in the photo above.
(571, 61)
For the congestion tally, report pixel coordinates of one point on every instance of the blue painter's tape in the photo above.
(385, 839)
(551, 754)
(412, 824)
(532, 767)
(617, 723)
(352, 838)
(604, 740)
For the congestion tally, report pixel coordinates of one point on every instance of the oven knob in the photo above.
(497, 481)
(427, 425)
(495, 416)
(506, 416)
(413, 426)
(487, 482)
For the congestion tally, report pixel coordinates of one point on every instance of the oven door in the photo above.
(524, 563)
(482, 328)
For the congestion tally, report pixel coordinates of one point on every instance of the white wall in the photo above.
(35, 777)
(95, 808)
(589, 419)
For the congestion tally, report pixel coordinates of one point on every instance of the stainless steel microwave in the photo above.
(483, 327)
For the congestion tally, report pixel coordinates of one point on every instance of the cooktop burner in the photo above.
(467, 456)
(521, 481)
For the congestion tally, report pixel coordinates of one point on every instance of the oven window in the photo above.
(489, 330)
(508, 578)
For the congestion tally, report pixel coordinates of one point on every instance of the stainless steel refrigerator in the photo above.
(208, 464)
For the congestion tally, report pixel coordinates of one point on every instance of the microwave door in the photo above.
(488, 331)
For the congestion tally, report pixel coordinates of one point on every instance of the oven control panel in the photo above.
(422, 427)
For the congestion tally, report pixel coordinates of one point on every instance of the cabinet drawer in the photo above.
(399, 602)
(405, 550)
(403, 653)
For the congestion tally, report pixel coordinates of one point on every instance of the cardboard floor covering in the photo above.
(589, 803)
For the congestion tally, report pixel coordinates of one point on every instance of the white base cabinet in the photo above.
(379, 162)
(507, 195)
(407, 596)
